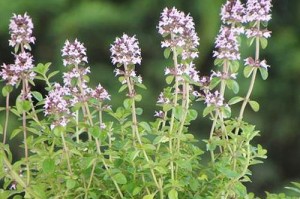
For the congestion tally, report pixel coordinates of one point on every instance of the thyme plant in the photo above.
(76, 145)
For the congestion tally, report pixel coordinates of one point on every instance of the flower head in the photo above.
(232, 11)
(22, 67)
(100, 93)
(214, 99)
(227, 45)
(74, 53)
(251, 62)
(178, 30)
(20, 29)
(55, 102)
(126, 51)
(258, 10)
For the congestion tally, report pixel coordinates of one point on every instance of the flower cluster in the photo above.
(256, 63)
(179, 31)
(227, 45)
(258, 10)
(126, 51)
(214, 99)
(232, 11)
(184, 69)
(74, 53)
(20, 29)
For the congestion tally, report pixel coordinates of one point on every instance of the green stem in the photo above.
(135, 129)
(7, 108)
(90, 181)
(66, 152)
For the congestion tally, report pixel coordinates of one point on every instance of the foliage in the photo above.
(77, 146)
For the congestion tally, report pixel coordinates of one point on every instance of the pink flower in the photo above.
(74, 53)
(232, 11)
(100, 93)
(20, 29)
(178, 30)
(126, 51)
(227, 45)
(258, 10)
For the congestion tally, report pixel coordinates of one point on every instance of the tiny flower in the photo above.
(256, 63)
(100, 93)
(126, 51)
(258, 10)
(74, 53)
(9, 74)
(214, 99)
(162, 99)
(254, 32)
(20, 29)
(232, 11)
(178, 30)
(62, 121)
(159, 114)
(227, 45)
(55, 102)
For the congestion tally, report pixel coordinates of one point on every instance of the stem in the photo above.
(135, 129)
(90, 181)
(77, 122)
(7, 108)
(25, 135)
(15, 176)
(67, 153)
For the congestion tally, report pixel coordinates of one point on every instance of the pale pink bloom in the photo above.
(74, 53)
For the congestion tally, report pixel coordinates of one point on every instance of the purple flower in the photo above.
(100, 93)
(214, 99)
(254, 32)
(232, 11)
(258, 10)
(178, 30)
(22, 68)
(20, 29)
(9, 74)
(55, 102)
(126, 51)
(227, 45)
(256, 63)
(162, 99)
(74, 53)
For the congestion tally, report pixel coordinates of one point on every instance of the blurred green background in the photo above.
(96, 23)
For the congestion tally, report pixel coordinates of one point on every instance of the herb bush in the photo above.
(77, 146)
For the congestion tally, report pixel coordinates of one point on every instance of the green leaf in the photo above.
(178, 112)
(233, 85)
(71, 183)
(139, 111)
(248, 71)
(122, 88)
(138, 98)
(52, 74)
(6, 90)
(254, 105)
(149, 147)
(48, 165)
(1, 129)
(240, 189)
(235, 100)
(214, 82)
(149, 196)
(234, 66)
(173, 194)
(145, 126)
(127, 103)
(207, 110)
(169, 79)
(37, 95)
(95, 131)
(228, 172)
(264, 73)
(263, 42)
(15, 133)
(167, 53)
(192, 114)
(120, 178)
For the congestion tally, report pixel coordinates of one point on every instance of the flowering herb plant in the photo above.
(77, 146)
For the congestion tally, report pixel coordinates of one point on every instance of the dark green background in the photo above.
(97, 23)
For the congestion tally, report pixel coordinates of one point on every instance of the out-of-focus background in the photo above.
(96, 23)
